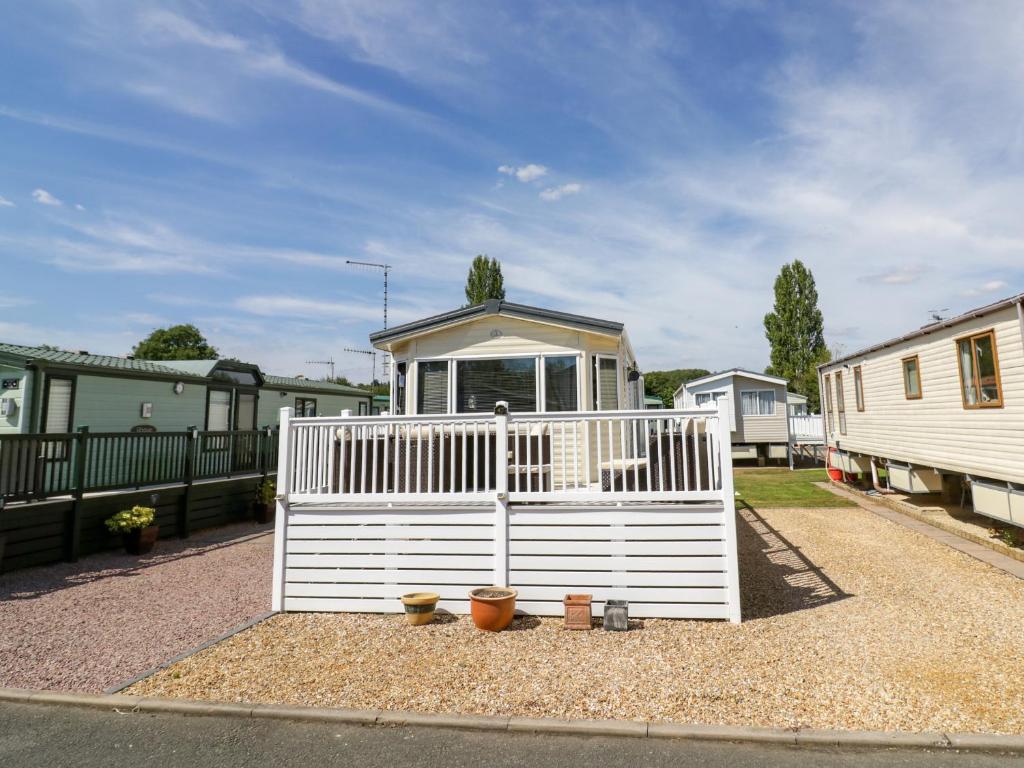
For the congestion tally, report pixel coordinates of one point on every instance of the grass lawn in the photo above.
(770, 487)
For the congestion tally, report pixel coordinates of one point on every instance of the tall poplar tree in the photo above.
(796, 332)
(484, 281)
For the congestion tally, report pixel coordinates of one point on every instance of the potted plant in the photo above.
(419, 607)
(492, 608)
(266, 494)
(136, 528)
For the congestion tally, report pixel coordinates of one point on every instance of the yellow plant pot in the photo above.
(419, 607)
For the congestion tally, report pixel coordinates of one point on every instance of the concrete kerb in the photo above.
(796, 737)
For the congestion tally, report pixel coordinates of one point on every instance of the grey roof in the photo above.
(734, 372)
(293, 382)
(932, 328)
(87, 360)
(195, 367)
(496, 307)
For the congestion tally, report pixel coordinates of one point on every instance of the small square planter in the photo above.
(578, 611)
(141, 540)
(616, 615)
(263, 513)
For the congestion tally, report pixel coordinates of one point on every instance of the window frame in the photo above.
(858, 387)
(302, 411)
(449, 402)
(236, 399)
(397, 387)
(595, 368)
(972, 337)
(759, 415)
(542, 370)
(43, 427)
(829, 408)
(906, 381)
(231, 407)
(840, 402)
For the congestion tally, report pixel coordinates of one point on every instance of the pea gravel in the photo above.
(851, 622)
(89, 625)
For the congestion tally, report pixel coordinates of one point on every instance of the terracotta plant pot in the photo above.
(492, 608)
(141, 540)
(419, 607)
(578, 611)
(263, 513)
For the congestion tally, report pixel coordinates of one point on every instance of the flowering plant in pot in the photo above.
(492, 608)
(136, 528)
(266, 494)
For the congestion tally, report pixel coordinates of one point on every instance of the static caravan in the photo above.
(759, 419)
(538, 360)
(941, 408)
(54, 391)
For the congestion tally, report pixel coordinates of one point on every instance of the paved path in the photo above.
(88, 625)
(975, 550)
(34, 736)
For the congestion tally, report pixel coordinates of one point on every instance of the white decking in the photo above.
(635, 505)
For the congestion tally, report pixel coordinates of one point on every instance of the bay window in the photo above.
(482, 383)
(560, 383)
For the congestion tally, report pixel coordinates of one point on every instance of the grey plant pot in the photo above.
(616, 615)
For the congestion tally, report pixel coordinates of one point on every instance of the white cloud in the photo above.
(79, 207)
(557, 193)
(990, 287)
(524, 173)
(900, 276)
(45, 198)
(5, 203)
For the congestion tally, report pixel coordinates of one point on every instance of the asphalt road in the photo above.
(41, 736)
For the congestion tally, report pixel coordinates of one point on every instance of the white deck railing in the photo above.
(532, 457)
(806, 429)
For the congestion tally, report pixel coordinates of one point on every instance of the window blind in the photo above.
(608, 384)
(58, 406)
(432, 386)
(482, 383)
(218, 411)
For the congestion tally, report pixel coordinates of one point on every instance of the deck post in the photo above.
(281, 512)
(185, 510)
(73, 540)
(732, 564)
(501, 493)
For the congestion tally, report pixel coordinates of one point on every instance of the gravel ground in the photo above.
(850, 622)
(86, 626)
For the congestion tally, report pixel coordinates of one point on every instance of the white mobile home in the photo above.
(942, 408)
(758, 413)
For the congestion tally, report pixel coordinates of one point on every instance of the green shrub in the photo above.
(128, 520)
(266, 492)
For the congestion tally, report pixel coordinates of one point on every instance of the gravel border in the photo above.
(800, 737)
(181, 656)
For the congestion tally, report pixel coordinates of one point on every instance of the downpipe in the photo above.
(875, 482)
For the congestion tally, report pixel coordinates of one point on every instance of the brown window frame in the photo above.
(828, 402)
(920, 383)
(991, 332)
(840, 402)
(858, 387)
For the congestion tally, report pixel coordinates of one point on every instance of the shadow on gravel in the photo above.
(775, 577)
(31, 583)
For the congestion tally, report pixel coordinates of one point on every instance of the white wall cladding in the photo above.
(668, 560)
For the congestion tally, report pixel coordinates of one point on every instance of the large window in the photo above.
(759, 402)
(432, 386)
(841, 402)
(482, 383)
(979, 371)
(858, 386)
(305, 406)
(245, 410)
(828, 403)
(560, 384)
(605, 383)
(912, 378)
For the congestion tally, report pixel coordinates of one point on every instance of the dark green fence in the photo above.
(44, 466)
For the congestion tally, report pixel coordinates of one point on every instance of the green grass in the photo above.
(763, 487)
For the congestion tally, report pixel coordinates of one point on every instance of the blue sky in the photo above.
(654, 163)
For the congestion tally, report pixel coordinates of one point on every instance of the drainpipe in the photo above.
(874, 479)
(1020, 317)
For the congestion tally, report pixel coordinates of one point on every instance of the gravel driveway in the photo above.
(851, 621)
(86, 626)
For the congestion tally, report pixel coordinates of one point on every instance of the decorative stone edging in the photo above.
(980, 742)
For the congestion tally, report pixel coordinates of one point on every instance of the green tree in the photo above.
(484, 281)
(796, 332)
(179, 342)
(664, 384)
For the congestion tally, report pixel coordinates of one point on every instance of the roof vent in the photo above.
(83, 352)
(129, 357)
